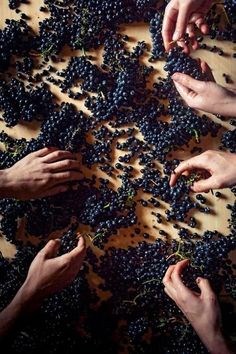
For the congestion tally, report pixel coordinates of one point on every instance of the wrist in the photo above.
(229, 106)
(216, 344)
(29, 296)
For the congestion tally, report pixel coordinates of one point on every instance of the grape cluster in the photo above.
(15, 39)
(178, 61)
(134, 277)
(79, 68)
(228, 140)
(128, 115)
(18, 104)
(230, 8)
(158, 50)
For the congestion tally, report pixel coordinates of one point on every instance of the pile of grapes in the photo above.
(146, 126)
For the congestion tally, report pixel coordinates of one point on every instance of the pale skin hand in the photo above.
(202, 310)
(47, 275)
(40, 174)
(205, 95)
(180, 17)
(219, 165)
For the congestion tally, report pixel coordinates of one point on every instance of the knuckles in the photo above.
(208, 155)
(68, 163)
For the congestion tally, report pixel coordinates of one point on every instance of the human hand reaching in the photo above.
(49, 274)
(220, 167)
(207, 96)
(201, 309)
(40, 174)
(181, 16)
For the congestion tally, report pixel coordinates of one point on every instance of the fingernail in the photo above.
(175, 77)
(176, 36)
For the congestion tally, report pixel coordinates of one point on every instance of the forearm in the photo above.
(10, 315)
(228, 109)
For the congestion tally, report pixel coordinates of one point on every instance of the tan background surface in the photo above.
(215, 221)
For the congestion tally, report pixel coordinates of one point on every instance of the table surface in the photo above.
(225, 64)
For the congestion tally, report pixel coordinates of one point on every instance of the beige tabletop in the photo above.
(225, 64)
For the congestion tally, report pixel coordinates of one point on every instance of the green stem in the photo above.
(83, 51)
(226, 15)
(151, 281)
(196, 135)
(47, 51)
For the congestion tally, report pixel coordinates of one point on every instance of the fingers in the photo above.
(203, 27)
(199, 17)
(198, 20)
(197, 162)
(51, 249)
(176, 20)
(205, 287)
(168, 27)
(63, 177)
(43, 152)
(79, 250)
(76, 256)
(188, 82)
(64, 165)
(205, 185)
(183, 91)
(174, 286)
(191, 32)
(170, 292)
(207, 71)
(169, 288)
(167, 276)
(57, 156)
(182, 22)
(176, 276)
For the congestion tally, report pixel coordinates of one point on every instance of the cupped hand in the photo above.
(40, 174)
(49, 274)
(220, 166)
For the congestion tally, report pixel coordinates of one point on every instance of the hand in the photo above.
(205, 95)
(180, 17)
(49, 274)
(40, 174)
(202, 310)
(219, 165)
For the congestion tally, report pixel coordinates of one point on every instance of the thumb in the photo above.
(204, 185)
(51, 248)
(188, 82)
(205, 287)
(183, 91)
